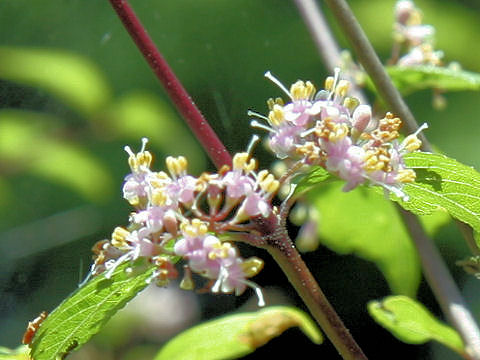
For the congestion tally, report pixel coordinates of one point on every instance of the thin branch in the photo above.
(322, 36)
(435, 269)
(281, 248)
(177, 93)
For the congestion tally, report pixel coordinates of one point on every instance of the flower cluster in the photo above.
(330, 129)
(177, 214)
(417, 38)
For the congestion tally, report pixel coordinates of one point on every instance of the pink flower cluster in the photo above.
(330, 129)
(187, 213)
(418, 38)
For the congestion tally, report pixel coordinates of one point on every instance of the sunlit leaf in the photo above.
(443, 183)
(20, 353)
(70, 77)
(233, 336)
(86, 311)
(315, 177)
(410, 79)
(28, 143)
(411, 322)
(365, 223)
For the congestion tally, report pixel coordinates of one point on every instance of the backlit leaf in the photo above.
(237, 335)
(411, 322)
(414, 78)
(86, 311)
(365, 223)
(443, 183)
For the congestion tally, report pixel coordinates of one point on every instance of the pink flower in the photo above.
(237, 184)
(182, 189)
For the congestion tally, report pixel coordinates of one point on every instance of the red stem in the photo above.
(177, 93)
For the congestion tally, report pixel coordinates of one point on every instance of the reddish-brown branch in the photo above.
(177, 93)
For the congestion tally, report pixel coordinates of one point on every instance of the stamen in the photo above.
(129, 151)
(144, 144)
(258, 292)
(255, 124)
(253, 142)
(273, 79)
(335, 81)
(260, 116)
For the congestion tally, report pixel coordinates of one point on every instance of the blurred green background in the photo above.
(74, 90)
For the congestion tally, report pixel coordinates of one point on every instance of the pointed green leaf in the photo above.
(411, 322)
(87, 310)
(365, 223)
(414, 78)
(443, 183)
(237, 335)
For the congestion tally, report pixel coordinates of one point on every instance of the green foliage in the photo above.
(28, 142)
(412, 323)
(20, 353)
(366, 224)
(315, 176)
(237, 335)
(87, 310)
(72, 78)
(415, 78)
(443, 183)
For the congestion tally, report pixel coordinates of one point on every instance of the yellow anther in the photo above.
(159, 197)
(119, 237)
(176, 166)
(241, 161)
(406, 176)
(351, 103)
(159, 179)
(276, 116)
(252, 266)
(277, 101)
(342, 88)
(302, 91)
(411, 143)
(338, 132)
(141, 159)
(267, 181)
(195, 228)
(329, 83)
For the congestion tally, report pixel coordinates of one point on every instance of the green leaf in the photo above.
(410, 79)
(28, 142)
(365, 223)
(315, 176)
(237, 335)
(87, 310)
(443, 183)
(20, 353)
(410, 322)
(70, 77)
